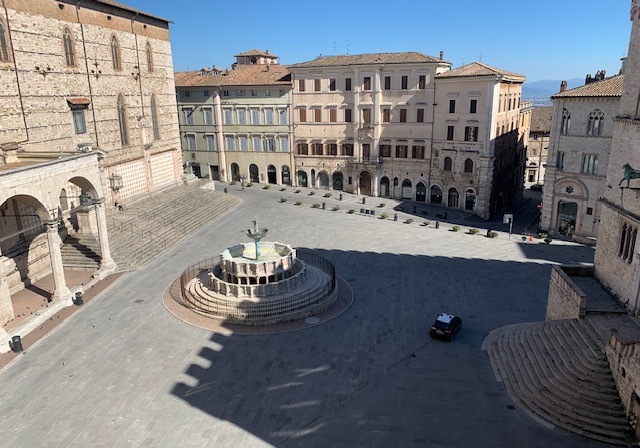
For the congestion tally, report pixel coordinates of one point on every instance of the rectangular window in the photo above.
(230, 143)
(317, 149)
(366, 151)
(303, 149)
(301, 85)
(450, 132)
(386, 115)
(589, 210)
(332, 85)
(452, 106)
(332, 149)
(206, 94)
(401, 151)
(367, 83)
(422, 82)
(316, 85)
(473, 106)
(269, 144)
(403, 115)
(385, 150)
(387, 83)
(208, 116)
(420, 116)
(211, 142)
(243, 143)
(188, 115)
(239, 92)
(268, 116)
(532, 176)
(242, 116)
(256, 143)
(227, 116)
(366, 116)
(317, 115)
(589, 163)
(187, 94)
(333, 115)
(191, 142)
(267, 92)
(560, 160)
(284, 143)
(347, 149)
(226, 93)
(255, 116)
(348, 118)
(79, 123)
(405, 82)
(303, 115)
(254, 93)
(417, 152)
(284, 118)
(347, 84)
(471, 134)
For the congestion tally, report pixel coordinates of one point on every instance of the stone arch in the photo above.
(286, 175)
(453, 198)
(470, 199)
(338, 180)
(303, 180)
(384, 187)
(272, 175)
(407, 189)
(574, 188)
(421, 192)
(254, 173)
(323, 180)
(364, 183)
(435, 194)
(235, 172)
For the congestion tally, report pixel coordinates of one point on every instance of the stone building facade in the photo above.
(537, 145)
(235, 124)
(88, 117)
(578, 156)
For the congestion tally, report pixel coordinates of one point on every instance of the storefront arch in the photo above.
(407, 190)
(272, 175)
(421, 192)
(254, 173)
(338, 181)
(384, 187)
(323, 179)
(435, 195)
(365, 183)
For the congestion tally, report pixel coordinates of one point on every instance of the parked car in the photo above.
(536, 187)
(445, 326)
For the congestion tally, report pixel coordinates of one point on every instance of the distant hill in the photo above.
(539, 92)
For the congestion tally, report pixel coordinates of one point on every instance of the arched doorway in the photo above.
(436, 195)
(286, 175)
(407, 191)
(365, 183)
(453, 198)
(272, 176)
(323, 177)
(421, 192)
(470, 199)
(254, 175)
(384, 187)
(395, 187)
(302, 179)
(313, 178)
(338, 181)
(567, 215)
(235, 172)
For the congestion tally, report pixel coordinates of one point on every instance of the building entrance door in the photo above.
(567, 214)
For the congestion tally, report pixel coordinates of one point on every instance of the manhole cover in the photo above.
(138, 301)
(312, 320)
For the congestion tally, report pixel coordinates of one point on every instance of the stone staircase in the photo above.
(81, 252)
(557, 370)
(149, 227)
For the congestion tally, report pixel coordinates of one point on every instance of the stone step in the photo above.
(80, 251)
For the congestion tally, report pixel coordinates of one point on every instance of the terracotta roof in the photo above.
(479, 69)
(541, 119)
(607, 87)
(78, 101)
(242, 75)
(410, 57)
(255, 52)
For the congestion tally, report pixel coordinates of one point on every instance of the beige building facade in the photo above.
(537, 145)
(87, 118)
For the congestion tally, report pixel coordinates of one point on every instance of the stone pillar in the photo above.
(106, 261)
(61, 292)
(86, 220)
(6, 307)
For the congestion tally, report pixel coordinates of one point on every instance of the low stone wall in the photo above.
(623, 355)
(298, 275)
(565, 299)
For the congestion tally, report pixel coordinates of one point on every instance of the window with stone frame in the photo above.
(333, 115)
(366, 85)
(191, 142)
(348, 116)
(422, 82)
(301, 86)
(627, 244)
(385, 150)
(211, 142)
(347, 84)
(589, 164)
(4, 46)
(303, 149)
(402, 151)
(149, 57)
(404, 82)
(123, 121)
(386, 115)
(417, 151)
(230, 142)
(471, 133)
(332, 85)
(420, 115)
(566, 122)
(302, 115)
(473, 106)
(387, 83)
(69, 47)
(317, 115)
(452, 106)
(448, 164)
(595, 123)
(316, 85)
(347, 149)
(403, 115)
(115, 54)
(332, 149)
(79, 122)
(450, 132)
(468, 166)
(318, 149)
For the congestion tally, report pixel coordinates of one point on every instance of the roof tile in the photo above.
(410, 57)
(607, 87)
(479, 69)
(241, 75)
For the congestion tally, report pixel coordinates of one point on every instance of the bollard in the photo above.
(77, 300)
(445, 215)
(16, 344)
(373, 213)
(366, 211)
(437, 224)
(225, 190)
(362, 211)
(414, 209)
(395, 216)
(489, 233)
(324, 205)
(364, 200)
(341, 196)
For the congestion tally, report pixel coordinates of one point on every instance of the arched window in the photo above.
(4, 48)
(154, 118)
(149, 54)
(122, 121)
(115, 53)
(69, 47)
(566, 121)
(596, 120)
(448, 164)
(468, 166)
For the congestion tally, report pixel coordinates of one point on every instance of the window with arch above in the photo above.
(69, 47)
(122, 121)
(627, 242)
(154, 118)
(448, 164)
(149, 55)
(468, 166)
(596, 119)
(115, 53)
(4, 48)
(566, 122)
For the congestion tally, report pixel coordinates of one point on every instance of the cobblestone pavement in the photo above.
(123, 372)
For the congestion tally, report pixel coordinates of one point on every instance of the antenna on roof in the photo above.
(334, 47)
(480, 57)
(348, 45)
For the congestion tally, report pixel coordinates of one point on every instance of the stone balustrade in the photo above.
(284, 282)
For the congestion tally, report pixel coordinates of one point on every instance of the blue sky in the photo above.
(541, 39)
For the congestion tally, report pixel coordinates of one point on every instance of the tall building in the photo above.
(578, 156)
(477, 158)
(235, 124)
(537, 145)
(88, 118)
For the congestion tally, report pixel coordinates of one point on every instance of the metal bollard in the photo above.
(395, 216)
(324, 205)
(341, 196)
(77, 300)
(16, 344)
(225, 190)
(362, 211)
(437, 224)
(364, 200)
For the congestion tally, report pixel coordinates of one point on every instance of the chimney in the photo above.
(441, 54)
(266, 51)
(563, 86)
(623, 66)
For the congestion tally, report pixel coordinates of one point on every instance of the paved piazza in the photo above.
(123, 372)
